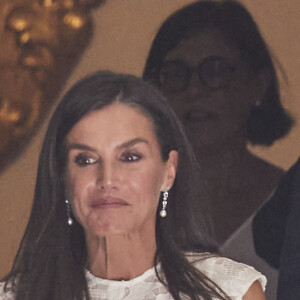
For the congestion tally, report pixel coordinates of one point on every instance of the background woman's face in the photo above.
(215, 102)
(115, 172)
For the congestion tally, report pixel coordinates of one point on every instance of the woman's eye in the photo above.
(130, 157)
(83, 160)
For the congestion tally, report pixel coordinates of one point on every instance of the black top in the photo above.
(276, 233)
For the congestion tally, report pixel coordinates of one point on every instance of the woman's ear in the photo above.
(171, 169)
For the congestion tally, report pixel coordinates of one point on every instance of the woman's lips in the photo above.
(108, 202)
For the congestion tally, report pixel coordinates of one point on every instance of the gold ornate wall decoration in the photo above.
(40, 43)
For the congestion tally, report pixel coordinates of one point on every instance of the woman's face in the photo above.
(115, 172)
(214, 99)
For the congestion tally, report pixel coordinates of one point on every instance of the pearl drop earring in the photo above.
(163, 212)
(68, 208)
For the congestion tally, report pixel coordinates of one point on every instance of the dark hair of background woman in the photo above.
(51, 261)
(268, 121)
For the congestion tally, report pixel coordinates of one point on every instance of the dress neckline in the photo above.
(150, 272)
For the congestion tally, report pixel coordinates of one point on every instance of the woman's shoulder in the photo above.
(232, 277)
(6, 293)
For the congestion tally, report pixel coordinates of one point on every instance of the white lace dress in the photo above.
(232, 277)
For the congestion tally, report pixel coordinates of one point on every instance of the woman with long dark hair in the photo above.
(116, 212)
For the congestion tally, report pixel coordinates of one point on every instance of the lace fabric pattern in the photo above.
(8, 295)
(145, 287)
(232, 277)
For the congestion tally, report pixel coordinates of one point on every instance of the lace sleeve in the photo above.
(8, 295)
(232, 277)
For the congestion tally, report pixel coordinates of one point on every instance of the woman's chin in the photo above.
(106, 230)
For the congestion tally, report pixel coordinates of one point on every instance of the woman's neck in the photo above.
(121, 257)
(236, 181)
(217, 160)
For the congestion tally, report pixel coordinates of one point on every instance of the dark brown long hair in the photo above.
(268, 121)
(51, 261)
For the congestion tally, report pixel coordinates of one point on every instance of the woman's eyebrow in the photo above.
(126, 144)
(79, 147)
(132, 142)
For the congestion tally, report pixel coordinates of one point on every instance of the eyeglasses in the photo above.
(215, 72)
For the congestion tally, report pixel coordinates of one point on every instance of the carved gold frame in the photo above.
(40, 43)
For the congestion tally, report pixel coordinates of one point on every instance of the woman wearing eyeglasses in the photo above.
(213, 65)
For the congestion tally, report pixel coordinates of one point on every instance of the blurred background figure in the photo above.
(276, 230)
(213, 65)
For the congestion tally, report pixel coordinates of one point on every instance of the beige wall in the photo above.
(123, 34)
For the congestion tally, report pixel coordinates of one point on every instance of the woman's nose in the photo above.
(107, 177)
(195, 85)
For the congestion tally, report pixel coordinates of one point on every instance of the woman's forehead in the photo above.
(209, 42)
(116, 119)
